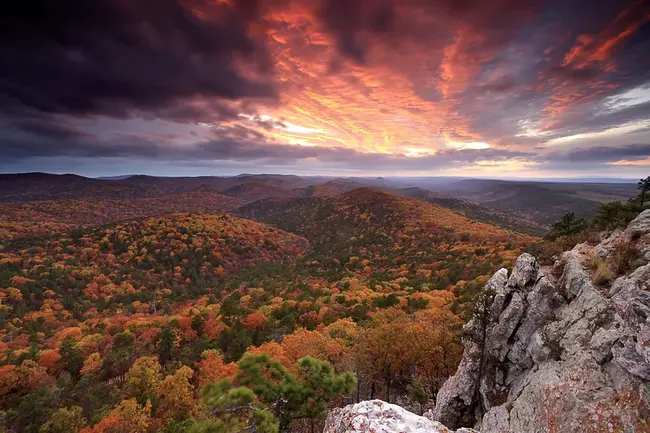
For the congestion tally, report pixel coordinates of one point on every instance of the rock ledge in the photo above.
(551, 352)
(377, 416)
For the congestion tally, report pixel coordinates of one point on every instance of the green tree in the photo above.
(568, 225)
(644, 186)
(616, 214)
(234, 409)
(71, 356)
(33, 410)
(198, 325)
(64, 420)
(120, 357)
(266, 398)
(418, 394)
(166, 345)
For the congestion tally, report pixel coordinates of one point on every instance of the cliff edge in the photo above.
(564, 348)
(551, 351)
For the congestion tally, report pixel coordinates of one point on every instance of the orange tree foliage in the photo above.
(54, 216)
(255, 320)
(176, 396)
(212, 369)
(137, 305)
(127, 417)
(396, 344)
(143, 378)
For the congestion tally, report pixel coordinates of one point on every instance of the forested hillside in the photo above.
(147, 307)
(123, 327)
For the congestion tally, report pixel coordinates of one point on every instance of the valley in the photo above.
(118, 294)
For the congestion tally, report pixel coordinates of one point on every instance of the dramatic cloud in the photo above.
(107, 56)
(544, 87)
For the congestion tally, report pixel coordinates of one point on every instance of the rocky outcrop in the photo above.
(548, 351)
(376, 416)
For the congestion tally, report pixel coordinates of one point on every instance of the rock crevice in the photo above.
(547, 354)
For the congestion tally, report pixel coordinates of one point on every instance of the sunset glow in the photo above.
(330, 86)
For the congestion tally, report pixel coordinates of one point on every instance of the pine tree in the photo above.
(266, 398)
(166, 345)
(568, 225)
(644, 186)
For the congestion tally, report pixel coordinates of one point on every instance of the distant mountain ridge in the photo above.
(528, 207)
(310, 216)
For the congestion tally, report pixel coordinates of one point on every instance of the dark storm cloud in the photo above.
(606, 153)
(22, 144)
(236, 144)
(602, 119)
(596, 157)
(46, 127)
(358, 25)
(188, 112)
(348, 20)
(492, 67)
(112, 56)
(556, 70)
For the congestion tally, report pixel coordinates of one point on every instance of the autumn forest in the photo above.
(236, 304)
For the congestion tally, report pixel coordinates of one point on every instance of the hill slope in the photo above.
(387, 231)
(45, 217)
(176, 255)
(542, 202)
(43, 186)
(364, 207)
(254, 191)
(474, 211)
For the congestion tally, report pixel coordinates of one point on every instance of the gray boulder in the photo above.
(558, 354)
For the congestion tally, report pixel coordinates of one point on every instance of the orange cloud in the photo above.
(590, 49)
(403, 97)
(637, 162)
(580, 79)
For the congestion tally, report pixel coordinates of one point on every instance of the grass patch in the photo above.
(602, 274)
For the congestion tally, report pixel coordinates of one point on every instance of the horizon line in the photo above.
(586, 179)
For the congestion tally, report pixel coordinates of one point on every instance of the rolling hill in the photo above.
(527, 207)
(45, 217)
(253, 191)
(541, 202)
(389, 231)
(474, 210)
(177, 255)
(84, 308)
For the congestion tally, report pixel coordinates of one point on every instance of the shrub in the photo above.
(544, 251)
(626, 257)
(616, 214)
(594, 261)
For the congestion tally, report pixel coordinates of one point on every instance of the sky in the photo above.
(500, 88)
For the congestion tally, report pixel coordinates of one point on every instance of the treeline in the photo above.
(571, 230)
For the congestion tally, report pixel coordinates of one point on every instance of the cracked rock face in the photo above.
(549, 354)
